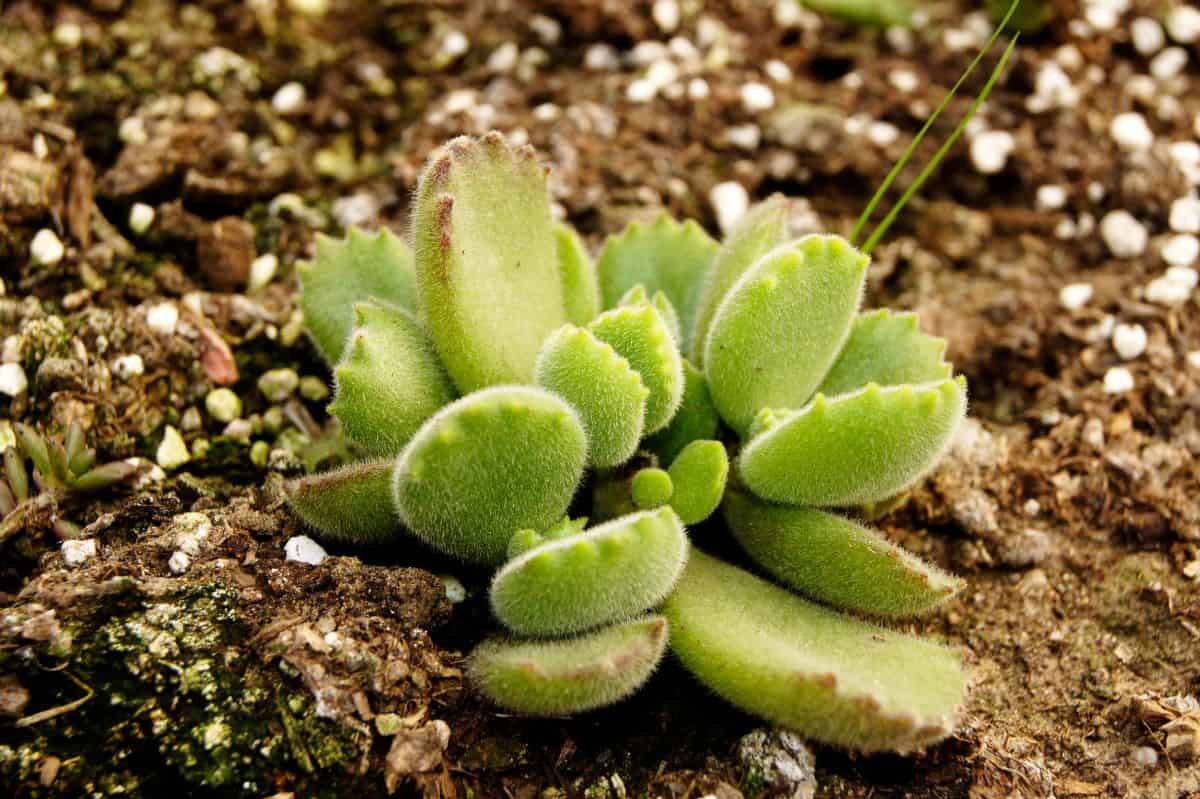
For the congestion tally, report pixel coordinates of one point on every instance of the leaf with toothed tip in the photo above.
(389, 381)
(835, 560)
(607, 573)
(637, 296)
(663, 255)
(760, 230)
(639, 335)
(605, 391)
(352, 504)
(487, 262)
(695, 420)
(494, 462)
(856, 448)
(581, 292)
(699, 475)
(781, 326)
(828, 676)
(358, 268)
(889, 349)
(525, 540)
(554, 678)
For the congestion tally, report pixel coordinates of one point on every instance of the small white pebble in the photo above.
(1075, 296)
(1096, 191)
(179, 562)
(303, 549)
(12, 379)
(1118, 380)
(1052, 88)
(68, 34)
(223, 405)
(78, 551)
(697, 89)
(662, 73)
(289, 99)
(1103, 15)
(1065, 229)
(666, 15)
(641, 91)
(757, 97)
(141, 217)
(882, 134)
(1181, 250)
(504, 57)
(1193, 359)
(172, 451)
(1183, 23)
(454, 44)
(1129, 341)
(1051, 197)
(1125, 236)
(778, 71)
(1186, 155)
(547, 29)
(1165, 291)
(1168, 63)
(601, 58)
(990, 151)
(127, 366)
(41, 150)
(1145, 756)
(46, 248)
(262, 269)
(729, 201)
(162, 318)
(1147, 34)
(1185, 215)
(1130, 132)
(1183, 276)
(456, 592)
(904, 80)
(745, 137)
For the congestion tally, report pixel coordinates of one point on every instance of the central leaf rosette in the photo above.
(501, 384)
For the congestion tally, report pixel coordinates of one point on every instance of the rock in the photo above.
(777, 762)
(225, 251)
(76, 552)
(419, 750)
(28, 186)
(172, 451)
(303, 549)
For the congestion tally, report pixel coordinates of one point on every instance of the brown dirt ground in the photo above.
(1072, 512)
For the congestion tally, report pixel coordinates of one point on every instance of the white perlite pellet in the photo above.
(1051, 197)
(46, 249)
(141, 217)
(289, 99)
(666, 15)
(601, 58)
(162, 318)
(12, 379)
(1118, 380)
(454, 44)
(778, 71)
(1125, 236)
(1168, 63)
(904, 80)
(504, 57)
(127, 366)
(1183, 23)
(303, 549)
(882, 134)
(1193, 359)
(1147, 34)
(1053, 88)
(990, 151)
(1130, 132)
(1075, 296)
(1181, 250)
(697, 89)
(179, 562)
(729, 201)
(757, 97)
(78, 551)
(172, 452)
(1129, 341)
(1185, 215)
(1174, 287)
(262, 270)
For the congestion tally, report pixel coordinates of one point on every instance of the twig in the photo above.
(54, 712)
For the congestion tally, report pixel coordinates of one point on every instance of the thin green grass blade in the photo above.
(941, 153)
(912, 146)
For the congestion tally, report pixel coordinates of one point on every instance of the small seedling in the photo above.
(494, 371)
(60, 468)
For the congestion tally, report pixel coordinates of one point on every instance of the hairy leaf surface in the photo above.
(581, 291)
(639, 335)
(889, 349)
(699, 475)
(352, 504)
(696, 418)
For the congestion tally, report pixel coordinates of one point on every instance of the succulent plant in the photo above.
(507, 390)
(60, 468)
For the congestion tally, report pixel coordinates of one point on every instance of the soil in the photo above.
(1071, 511)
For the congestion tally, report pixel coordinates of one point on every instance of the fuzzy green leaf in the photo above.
(856, 448)
(762, 229)
(637, 296)
(389, 380)
(695, 420)
(610, 572)
(661, 256)
(487, 260)
(555, 678)
(102, 477)
(358, 268)
(581, 291)
(835, 560)
(831, 677)
(699, 475)
(605, 391)
(651, 488)
(352, 504)
(15, 474)
(639, 334)
(889, 349)
(781, 326)
(34, 446)
(496, 461)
